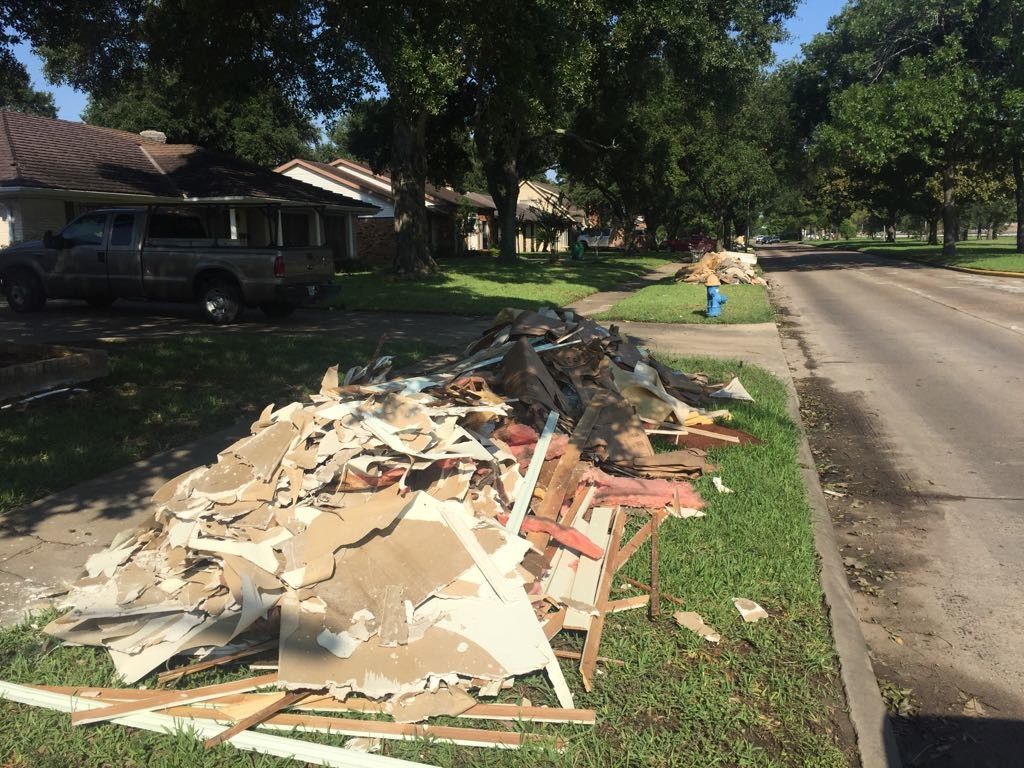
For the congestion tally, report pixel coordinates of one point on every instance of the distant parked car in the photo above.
(595, 238)
(699, 243)
(769, 239)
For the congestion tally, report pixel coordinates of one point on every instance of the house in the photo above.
(53, 170)
(457, 222)
(537, 201)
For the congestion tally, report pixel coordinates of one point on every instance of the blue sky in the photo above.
(811, 17)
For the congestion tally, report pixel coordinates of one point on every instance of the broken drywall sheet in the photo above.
(749, 610)
(695, 623)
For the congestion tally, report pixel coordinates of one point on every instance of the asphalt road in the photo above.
(913, 380)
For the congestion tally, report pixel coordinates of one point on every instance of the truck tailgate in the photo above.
(302, 265)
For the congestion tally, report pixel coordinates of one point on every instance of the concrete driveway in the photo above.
(912, 384)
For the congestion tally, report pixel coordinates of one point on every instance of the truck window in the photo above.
(87, 230)
(121, 230)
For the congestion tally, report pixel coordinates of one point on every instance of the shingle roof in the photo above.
(56, 154)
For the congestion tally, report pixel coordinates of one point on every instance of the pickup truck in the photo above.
(224, 259)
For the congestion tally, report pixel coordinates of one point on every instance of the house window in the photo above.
(299, 229)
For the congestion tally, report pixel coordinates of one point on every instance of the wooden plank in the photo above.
(628, 603)
(283, 702)
(576, 656)
(655, 577)
(261, 743)
(175, 674)
(171, 698)
(565, 476)
(593, 642)
(647, 588)
(524, 494)
(637, 541)
(377, 729)
(554, 624)
(508, 712)
(713, 435)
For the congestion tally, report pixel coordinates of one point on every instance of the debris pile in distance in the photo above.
(409, 546)
(729, 267)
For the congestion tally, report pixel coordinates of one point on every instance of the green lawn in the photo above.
(483, 285)
(977, 254)
(768, 695)
(686, 303)
(160, 395)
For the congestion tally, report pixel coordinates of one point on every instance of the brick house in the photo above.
(53, 170)
(457, 222)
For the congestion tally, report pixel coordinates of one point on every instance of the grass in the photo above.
(483, 285)
(976, 254)
(159, 395)
(767, 696)
(673, 302)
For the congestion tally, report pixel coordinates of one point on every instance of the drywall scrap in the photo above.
(401, 547)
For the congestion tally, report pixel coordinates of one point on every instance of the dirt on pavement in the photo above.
(870, 499)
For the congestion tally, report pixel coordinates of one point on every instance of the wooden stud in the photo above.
(175, 674)
(576, 656)
(628, 603)
(593, 642)
(655, 589)
(170, 699)
(647, 588)
(283, 702)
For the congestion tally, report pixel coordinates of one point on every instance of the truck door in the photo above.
(84, 256)
(124, 265)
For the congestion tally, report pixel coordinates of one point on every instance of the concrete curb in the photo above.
(876, 742)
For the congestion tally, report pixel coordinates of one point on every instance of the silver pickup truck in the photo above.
(224, 258)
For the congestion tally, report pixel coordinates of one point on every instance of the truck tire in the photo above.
(24, 291)
(220, 299)
(100, 302)
(277, 310)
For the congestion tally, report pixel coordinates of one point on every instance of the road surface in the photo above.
(912, 384)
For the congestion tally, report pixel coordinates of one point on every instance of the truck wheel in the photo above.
(24, 291)
(100, 302)
(221, 300)
(277, 310)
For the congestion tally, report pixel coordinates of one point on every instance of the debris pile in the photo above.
(403, 547)
(728, 267)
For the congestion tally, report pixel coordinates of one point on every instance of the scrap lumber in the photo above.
(260, 743)
(655, 576)
(201, 666)
(576, 656)
(525, 493)
(628, 603)
(377, 729)
(171, 698)
(638, 539)
(565, 476)
(284, 701)
(647, 588)
(591, 645)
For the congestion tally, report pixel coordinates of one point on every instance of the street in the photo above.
(911, 382)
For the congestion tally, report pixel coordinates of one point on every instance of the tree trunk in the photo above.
(949, 222)
(408, 185)
(723, 244)
(1018, 184)
(503, 184)
(933, 230)
(890, 226)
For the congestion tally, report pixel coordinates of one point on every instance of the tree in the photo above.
(16, 91)
(322, 55)
(525, 88)
(915, 84)
(264, 128)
